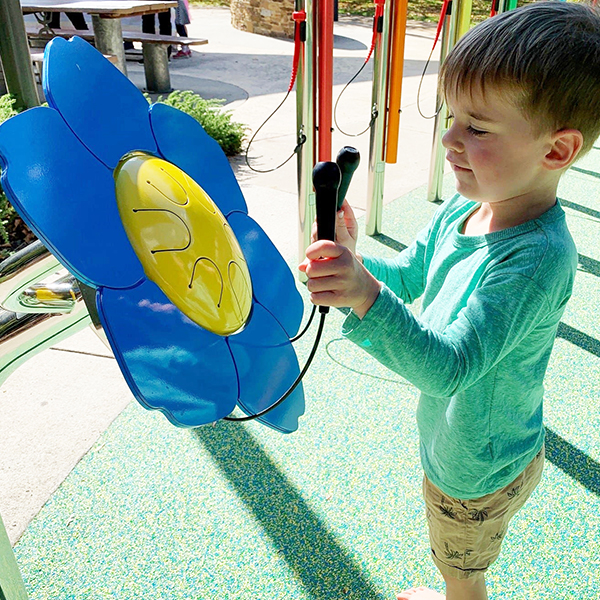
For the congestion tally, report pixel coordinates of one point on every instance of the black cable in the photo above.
(293, 386)
(437, 110)
(312, 315)
(373, 115)
(301, 141)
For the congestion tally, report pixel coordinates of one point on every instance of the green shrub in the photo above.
(216, 122)
(6, 107)
(7, 212)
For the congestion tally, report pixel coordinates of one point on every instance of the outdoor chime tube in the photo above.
(379, 107)
(456, 24)
(396, 69)
(305, 119)
(324, 28)
(500, 6)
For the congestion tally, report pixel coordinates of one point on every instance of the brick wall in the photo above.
(265, 17)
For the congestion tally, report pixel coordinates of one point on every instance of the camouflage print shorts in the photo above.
(466, 535)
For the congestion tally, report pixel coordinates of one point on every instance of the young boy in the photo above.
(494, 268)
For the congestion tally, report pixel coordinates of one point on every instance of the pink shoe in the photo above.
(183, 53)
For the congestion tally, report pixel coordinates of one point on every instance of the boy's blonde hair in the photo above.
(547, 53)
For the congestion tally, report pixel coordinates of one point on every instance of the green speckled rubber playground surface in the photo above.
(333, 511)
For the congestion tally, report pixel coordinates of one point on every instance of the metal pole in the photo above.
(14, 53)
(11, 582)
(396, 69)
(324, 78)
(506, 5)
(305, 95)
(455, 26)
(377, 141)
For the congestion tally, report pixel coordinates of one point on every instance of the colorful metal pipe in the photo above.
(325, 77)
(500, 6)
(396, 67)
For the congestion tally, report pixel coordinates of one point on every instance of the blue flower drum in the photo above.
(139, 203)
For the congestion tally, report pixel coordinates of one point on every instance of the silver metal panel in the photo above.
(305, 92)
(377, 139)
(438, 153)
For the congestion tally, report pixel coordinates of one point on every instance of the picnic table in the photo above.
(106, 18)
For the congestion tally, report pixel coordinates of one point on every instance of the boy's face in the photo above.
(495, 153)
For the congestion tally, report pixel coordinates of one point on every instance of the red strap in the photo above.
(299, 16)
(441, 22)
(379, 7)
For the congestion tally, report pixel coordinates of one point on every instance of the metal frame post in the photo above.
(506, 5)
(456, 24)
(377, 141)
(11, 582)
(14, 54)
(305, 119)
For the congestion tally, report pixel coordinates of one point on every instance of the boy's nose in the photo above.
(450, 140)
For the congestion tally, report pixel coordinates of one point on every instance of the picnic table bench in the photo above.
(37, 56)
(154, 48)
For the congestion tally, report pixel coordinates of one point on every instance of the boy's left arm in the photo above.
(499, 315)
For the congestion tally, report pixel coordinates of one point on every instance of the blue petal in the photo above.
(273, 284)
(102, 107)
(267, 367)
(170, 363)
(182, 141)
(67, 197)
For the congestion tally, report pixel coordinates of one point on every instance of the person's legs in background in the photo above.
(184, 51)
(182, 18)
(76, 18)
(164, 25)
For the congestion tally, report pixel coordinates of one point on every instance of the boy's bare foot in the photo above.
(420, 593)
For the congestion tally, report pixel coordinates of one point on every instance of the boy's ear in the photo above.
(566, 144)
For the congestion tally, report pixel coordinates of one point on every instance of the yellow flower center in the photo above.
(184, 242)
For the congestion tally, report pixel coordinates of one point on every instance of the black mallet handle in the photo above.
(326, 181)
(347, 160)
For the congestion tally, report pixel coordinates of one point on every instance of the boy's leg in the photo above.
(465, 535)
(456, 589)
(466, 589)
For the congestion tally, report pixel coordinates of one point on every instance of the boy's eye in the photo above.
(475, 132)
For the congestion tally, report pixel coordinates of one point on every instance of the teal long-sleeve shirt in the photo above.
(478, 352)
